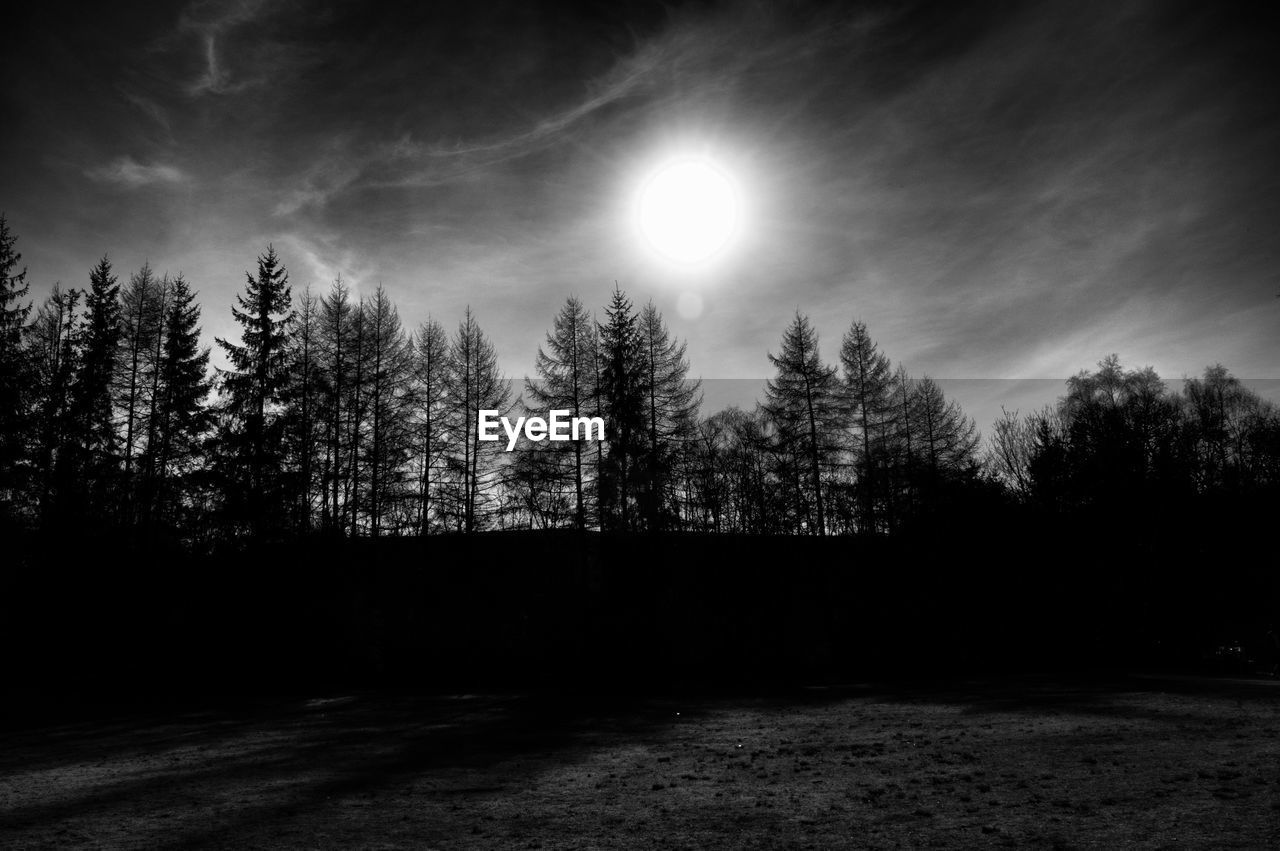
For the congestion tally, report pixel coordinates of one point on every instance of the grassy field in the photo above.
(1136, 762)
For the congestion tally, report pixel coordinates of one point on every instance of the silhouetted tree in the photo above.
(708, 473)
(55, 359)
(1221, 414)
(1050, 468)
(803, 401)
(430, 414)
(15, 374)
(671, 403)
(868, 388)
(1013, 446)
(532, 488)
(141, 313)
(1118, 425)
(104, 414)
(1118, 440)
(904, 468)
(566, 381)
(622, 403)
(335, 322)
(356, 406)
(252, 431)
(389, 400)
(474, 384)
(756, 462)
(180, 415)
(304, 398)
(93, 414)
(947, 438)
(164, 290)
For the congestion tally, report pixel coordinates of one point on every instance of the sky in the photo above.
(1003, 192)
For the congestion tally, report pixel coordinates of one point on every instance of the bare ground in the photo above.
(1139, 762)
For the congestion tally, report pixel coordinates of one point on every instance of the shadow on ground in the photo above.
(1039, 762)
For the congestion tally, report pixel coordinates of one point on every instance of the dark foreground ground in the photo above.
(1138, 761)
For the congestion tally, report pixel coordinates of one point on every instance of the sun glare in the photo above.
(688, 211)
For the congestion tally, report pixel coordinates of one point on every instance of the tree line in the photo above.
(1120, 443)
(333, 417)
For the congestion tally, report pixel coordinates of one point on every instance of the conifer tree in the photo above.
(430, 414)
(389, 399)
(163, 292)
(54, 365)
(566, 381)
(671, 403)
(304, 399)
(92, 397)
(905, 442)
(181, 414)
(14, 372)
(804, 403)
(141, 314)
(252, 391)
(356, 407)
(868, 387)
(334, 343)
(474, 384)
(948, 438)
(622, 400)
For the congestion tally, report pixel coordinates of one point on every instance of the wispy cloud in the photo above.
(322, 259)
(149, 108)
(211, 22)
(407, 162)
(692, 56)
(330, 172)
(128, 172)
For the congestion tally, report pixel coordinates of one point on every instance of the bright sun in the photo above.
(688, 210)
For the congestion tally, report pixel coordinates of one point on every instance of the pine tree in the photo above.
(474, 384)
(566, 381)
(430, 414)
(904, 439)
(622, 401)
(163, 292)
(334, 333)
(389, 400)
(181, 416)
(356, 407)
(92, 397)
(252, 390)
(141, 317)
(868, 387)
(671, 403)
(304, 396)
(55, 362)
(804, 403)
(14, 368)
(948, 439)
